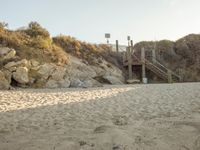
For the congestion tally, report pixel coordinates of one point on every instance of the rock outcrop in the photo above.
(31, 73)
(12, 66)
(21, 75)
(7, 53)
(4, 83)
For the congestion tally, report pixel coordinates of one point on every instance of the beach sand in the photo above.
(125, 117)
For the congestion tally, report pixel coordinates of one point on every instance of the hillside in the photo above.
(182, 56)
(29, 57)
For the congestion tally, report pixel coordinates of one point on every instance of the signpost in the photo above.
(128, 38)
(107, 36)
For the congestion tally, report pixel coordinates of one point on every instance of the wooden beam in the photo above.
(117, 46)
(143, 63)
(169, 74)
(130, 71)
(154, 55)
(131, 46)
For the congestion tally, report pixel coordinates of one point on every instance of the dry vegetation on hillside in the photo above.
(90, 53)
(34, 42)
(182, 56)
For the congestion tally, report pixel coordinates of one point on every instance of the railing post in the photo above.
(143, 65)
(169, 74)
(153, 55)
(131, 46)
(117, 46)
(130, 72)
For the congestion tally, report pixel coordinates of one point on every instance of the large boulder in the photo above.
(91, 83)
(12, 66)
(4, 83)
(4, 51)
(21, 75)
(57, 78)
(112, 80)
(7, 53)
(34, 63)
(78, 69)
(58, 73)
(75, 82)
(49, 75)
(108, 72)
(46, 70)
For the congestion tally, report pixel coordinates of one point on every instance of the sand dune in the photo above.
(138, 117)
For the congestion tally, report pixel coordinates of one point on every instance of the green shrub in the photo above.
(35, 29)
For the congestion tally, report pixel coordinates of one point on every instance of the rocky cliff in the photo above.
(31, 58)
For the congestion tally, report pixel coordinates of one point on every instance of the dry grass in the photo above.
(34, 42)
(90, 53)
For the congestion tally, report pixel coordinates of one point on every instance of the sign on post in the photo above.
(107, 36)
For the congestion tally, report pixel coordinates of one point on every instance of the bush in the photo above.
(35, 29)
(13, 39)
(40, 42)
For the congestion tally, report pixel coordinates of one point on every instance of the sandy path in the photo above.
(138, 117)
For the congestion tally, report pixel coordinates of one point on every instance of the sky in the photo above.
(89, 20)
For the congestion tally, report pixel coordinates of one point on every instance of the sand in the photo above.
(134, 117)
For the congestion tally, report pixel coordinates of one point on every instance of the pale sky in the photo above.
(88, 20)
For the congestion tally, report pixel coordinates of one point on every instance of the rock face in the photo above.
(75, 82)
(112, 80)
(78, 69)
(46, 70)
(4, 83)
(7, 53)
(57, 78)
(21, 75)
(30, 73)
(82, 75)
(12, 66)
(64, 83)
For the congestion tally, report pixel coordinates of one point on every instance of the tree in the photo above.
(35, 30)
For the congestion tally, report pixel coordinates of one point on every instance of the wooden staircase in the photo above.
(161, 71)
(154, 66)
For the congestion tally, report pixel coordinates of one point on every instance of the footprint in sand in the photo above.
(102, 129)
(120, 120)
(118, 147)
